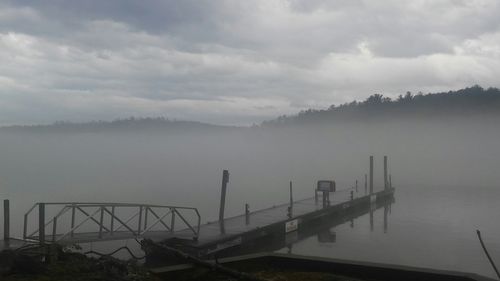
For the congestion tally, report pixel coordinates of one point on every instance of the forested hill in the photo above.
(465, 102)
(132, 124)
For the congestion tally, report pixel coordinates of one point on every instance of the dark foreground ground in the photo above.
(75, 267)
(69, 266)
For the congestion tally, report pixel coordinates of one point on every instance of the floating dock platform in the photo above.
(282, 221)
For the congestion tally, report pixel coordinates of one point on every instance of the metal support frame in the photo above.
(102, 219)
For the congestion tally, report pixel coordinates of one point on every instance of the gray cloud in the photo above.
(233, 62)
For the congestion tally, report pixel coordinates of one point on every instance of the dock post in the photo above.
(101, 221)
(325, 199)
(112, 223)
(352, 195)
(371, 175)
(54, 229)
(225, 180)
(366, 183)
(41, 223)
(139, 223)
(385, 173)
(72, 219)
(6, 220)
(356, 185)
(371, 219)
(315, 196)
(247, 213)
(290, 208)
(386, 211)
(390, 181)
(172, 219)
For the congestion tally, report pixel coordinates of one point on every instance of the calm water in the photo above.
(430, 225)
(427, 227)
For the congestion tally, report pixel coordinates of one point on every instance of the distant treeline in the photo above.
(465, 102)
(129, 124)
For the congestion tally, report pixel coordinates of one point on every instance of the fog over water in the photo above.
(445, 171)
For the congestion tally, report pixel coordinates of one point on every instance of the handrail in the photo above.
(106, 226)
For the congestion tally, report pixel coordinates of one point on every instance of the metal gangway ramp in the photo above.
(69, 223)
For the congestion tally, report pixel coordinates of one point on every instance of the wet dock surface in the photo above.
(211, 233)
(238, 225)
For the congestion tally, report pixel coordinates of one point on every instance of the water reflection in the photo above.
(323, 230)
(386, 212)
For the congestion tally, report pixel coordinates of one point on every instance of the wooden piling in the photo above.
(371, 174)
(73, 220)
(290, 208)
(41, 223)
(325, 199)
(139, 223)
(386, 212)
(101, 222)
(172, 220)
(54, 229)
(6, 220)
(385, 173)
(247, 213)
(366, 183)
(225, 180)
(371, 220)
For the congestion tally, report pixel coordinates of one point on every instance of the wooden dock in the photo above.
(238, 230)
(175, 226)
(272, 222)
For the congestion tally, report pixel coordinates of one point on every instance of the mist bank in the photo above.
(183, 167)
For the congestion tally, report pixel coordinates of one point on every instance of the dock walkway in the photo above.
(274, 222)
(207, 234)
(238, 225)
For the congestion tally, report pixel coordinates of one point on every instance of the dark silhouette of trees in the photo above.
(461, 103)
(159, 124)
(464, 102)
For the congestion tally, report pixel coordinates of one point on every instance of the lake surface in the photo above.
(443, 192)
(432, 227)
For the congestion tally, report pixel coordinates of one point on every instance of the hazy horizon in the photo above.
(234, 62)
(275, 91)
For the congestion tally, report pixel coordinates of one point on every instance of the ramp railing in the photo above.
(73, 222)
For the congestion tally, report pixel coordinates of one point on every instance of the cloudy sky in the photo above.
(234, 62)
